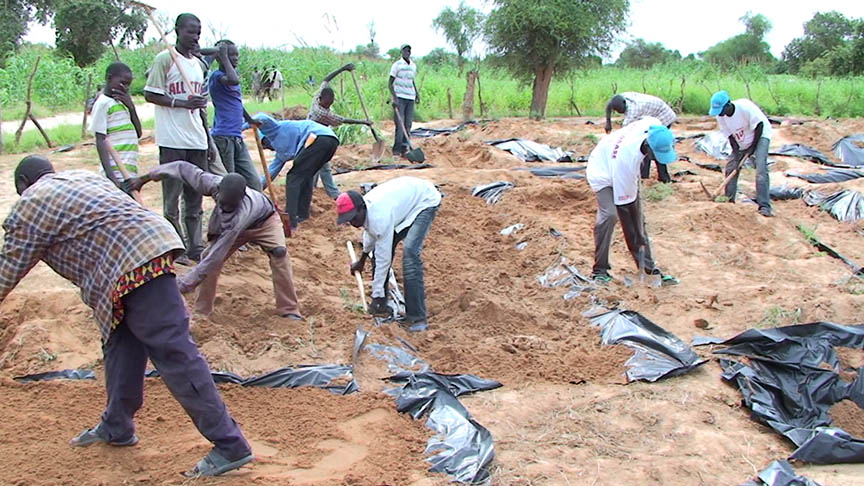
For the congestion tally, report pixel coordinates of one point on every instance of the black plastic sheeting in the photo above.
(856, 269)
(567, 172)
(715, 144)
(493, 191)
(343, 170)
(828, 177)
(711, 167)
(422, 132)
(845, 205)
(780, 473)
(463, 448)
(318, 376)
(530, 151)
(563, 274)
(785, 193)
(658, 353)
(847, 150)
(787, 387)
(802, 152)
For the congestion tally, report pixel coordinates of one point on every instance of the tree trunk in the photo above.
(2, 140)
(41, 130)
(480, 96)
(540, 94)
(27, 102)
(86, 97)
(449, 104)
(468, 101)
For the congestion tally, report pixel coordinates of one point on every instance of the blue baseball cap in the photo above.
(662, 143)
(718, 101)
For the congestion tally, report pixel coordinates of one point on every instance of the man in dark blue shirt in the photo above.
(230, 115)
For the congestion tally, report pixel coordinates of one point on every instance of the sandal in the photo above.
(213, 464)
(96, 435)
(292, 316)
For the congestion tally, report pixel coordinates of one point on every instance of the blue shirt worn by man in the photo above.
(228, 102)
(288, 138)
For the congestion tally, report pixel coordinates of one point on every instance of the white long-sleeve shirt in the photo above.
(390, 208)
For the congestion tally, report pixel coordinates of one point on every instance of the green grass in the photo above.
(349, 304)
(776, 316)
(32, 139)
(809, 233)
(658, 192)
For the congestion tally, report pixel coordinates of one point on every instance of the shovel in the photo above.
(415, 154)
(378, 148)
(283, 216)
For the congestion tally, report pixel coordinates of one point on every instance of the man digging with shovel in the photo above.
(320, 112)
(121, 256)
(242, 215)
(396, 210)
(749, 133)
(613, 174)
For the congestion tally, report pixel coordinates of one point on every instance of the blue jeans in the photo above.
(412, 265)
(763, 184)
(326, 176)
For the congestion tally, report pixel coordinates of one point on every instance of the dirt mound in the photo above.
(847, 415)
(297, 112)
(357, 439)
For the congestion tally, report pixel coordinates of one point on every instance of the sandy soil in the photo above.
(563, 416)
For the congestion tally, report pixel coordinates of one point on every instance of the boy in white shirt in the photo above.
(613, 174)
(749, 133)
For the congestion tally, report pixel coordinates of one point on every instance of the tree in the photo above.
(461, 27)
(745, 48)
(536, 40)
(822, 34)
(440, 57)
(83, 27)
(642, 55)
(394, 54)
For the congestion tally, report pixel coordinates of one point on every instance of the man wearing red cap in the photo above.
(399, 209)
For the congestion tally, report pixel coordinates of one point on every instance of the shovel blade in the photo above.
(378, 151)
(415, 155)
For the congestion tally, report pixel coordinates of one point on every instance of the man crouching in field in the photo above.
(121, 256)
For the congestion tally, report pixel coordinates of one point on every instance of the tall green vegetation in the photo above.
(747, 48)
(643, 55)
(536, 40)
(832, 44)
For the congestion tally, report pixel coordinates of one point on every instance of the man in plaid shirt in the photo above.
(121, 257)
(636, 106)
(320, 112)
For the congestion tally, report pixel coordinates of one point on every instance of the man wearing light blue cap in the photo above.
(613, 174)
(749, 133)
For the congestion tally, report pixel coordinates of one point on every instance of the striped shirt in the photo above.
(86, 230)
(112, 119)
(640, 105)
(404, 74)
(324, 116)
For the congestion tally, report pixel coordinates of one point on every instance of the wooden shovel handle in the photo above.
(119, 163)
(357, 274)
(286, 225)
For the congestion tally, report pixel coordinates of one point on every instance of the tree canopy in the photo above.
(831, 44)
(642, 55)
(745, 48)
(538, 39)
(462, 27)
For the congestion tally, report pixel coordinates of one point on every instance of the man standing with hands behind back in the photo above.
(403, 96)
(181, 127)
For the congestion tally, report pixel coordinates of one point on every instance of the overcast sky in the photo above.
(686, 25)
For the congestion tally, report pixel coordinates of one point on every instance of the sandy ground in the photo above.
(564, 415)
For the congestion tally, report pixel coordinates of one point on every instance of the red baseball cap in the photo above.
(346, 206)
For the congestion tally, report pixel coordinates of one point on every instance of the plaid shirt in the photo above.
(324, 116)
(85, 229)
(641, 105)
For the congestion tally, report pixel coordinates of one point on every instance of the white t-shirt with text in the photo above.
(742, 124)
(178, 128)
(615, 162)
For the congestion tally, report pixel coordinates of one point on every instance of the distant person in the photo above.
(241, 216)
(636, 106)
(749, 133)
(403, 96)
(115, 123)
(181, 128)
(310, 145)
(121, 256)
(400, 209)
(230, 115)
(320, 112)
(613, 174)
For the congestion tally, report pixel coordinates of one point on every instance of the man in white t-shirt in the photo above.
(613, 174)
(749, 133)
(181, 127)
(403, 96)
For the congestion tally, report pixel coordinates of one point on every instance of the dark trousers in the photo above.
(406, 110)
(662, 171)
(412, 264)
(156, 326)
(763, 183)
(633, 226)
(236, 158)
(299, 180)
(172, 189)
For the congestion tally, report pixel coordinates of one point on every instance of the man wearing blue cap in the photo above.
(749, 133)
(613, 174)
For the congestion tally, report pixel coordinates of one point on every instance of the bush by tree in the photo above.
(642, 55)
(462, 27)
(745, 48)
(830, 45)
(535, 40)
(440, 57)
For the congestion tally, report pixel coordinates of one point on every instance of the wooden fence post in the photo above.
(28, 103)
(86, 97)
